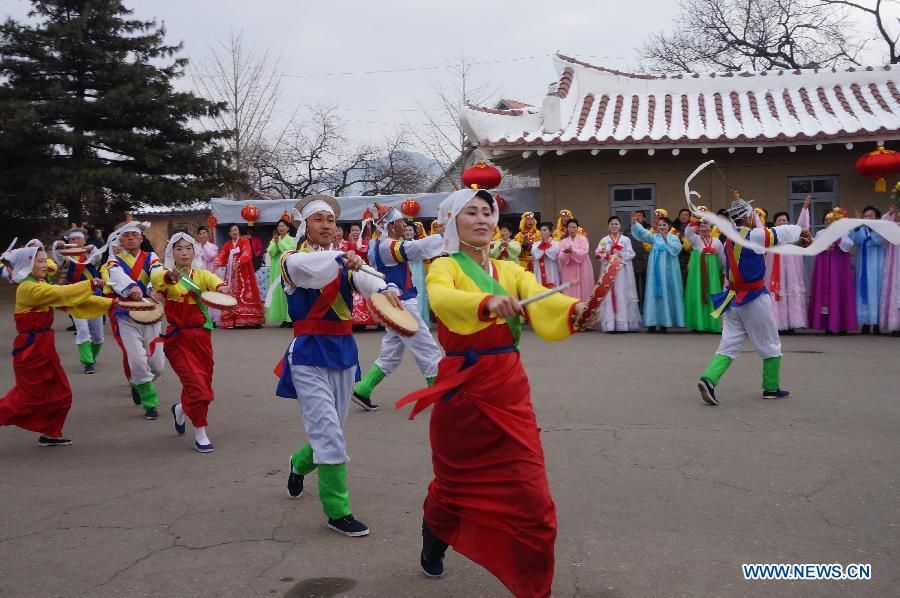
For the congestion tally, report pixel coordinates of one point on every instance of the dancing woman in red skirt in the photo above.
(490, 499)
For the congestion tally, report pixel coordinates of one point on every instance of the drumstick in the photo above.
(366, 269)
(547, 293)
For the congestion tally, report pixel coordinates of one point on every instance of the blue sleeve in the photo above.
(640, 233)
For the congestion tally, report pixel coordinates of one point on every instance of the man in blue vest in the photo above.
(745, 305)
(390, 255)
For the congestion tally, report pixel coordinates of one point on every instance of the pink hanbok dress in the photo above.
(889, 310)
(576, 265)
(786, 281)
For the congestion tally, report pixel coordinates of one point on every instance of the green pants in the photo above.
(147, 392)
(333, 490)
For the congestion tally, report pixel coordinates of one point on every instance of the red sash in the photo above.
(78, 270)
(139, 262)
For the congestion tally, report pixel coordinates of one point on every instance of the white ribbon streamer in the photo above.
(826, 237)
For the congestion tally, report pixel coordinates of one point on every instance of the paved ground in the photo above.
(658, 494)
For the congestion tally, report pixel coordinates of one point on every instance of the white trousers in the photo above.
(755, 320)
(136, 340)
(88, 331)
(422, 346)
(323, 395)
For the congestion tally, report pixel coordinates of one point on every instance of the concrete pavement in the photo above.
(657, 493)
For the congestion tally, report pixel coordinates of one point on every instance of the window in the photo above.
(824, 191)
(625, 199)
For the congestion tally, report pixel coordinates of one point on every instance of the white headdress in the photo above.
(132, 226)
(312, 204)
(21, 262)
(74, 233)
(170, 251)
(451, 207)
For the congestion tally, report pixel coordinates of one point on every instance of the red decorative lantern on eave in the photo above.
(250, 213)
(879, 164)
(367, 214)
(501, 203)
(481, 176)
(212, 221)
(286, 216)
(410, 208)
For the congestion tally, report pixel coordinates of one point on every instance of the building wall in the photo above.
(581, 182)
(164, 226)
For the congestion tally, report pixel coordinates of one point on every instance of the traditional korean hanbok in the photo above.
(490, 498)
(509, 253)
(545, 262)
(237, 259)
(663, 297)
(620, 311)
(41, 398)
(576, 265)
(704, 278)
(889, 310)
(869, 273)
(832, 301)
(786, 281)
(276, 301)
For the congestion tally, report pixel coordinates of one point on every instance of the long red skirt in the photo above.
(249, 310)
(490, 498)
(41, 398)
(190, 353)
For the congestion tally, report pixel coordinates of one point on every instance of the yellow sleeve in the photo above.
(52, 267)
(93, 307)
(549, 317)
(207, 281)
(455, 299)
(158, 280)
(32, 295)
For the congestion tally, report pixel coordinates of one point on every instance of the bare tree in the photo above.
(444, 138)
(314, 156)
(756, 34)
(874, 13)
(248, 81)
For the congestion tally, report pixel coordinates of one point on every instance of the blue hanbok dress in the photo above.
(869, 272)
(664, 294)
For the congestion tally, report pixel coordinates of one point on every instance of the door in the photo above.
(625, 199)
(824, 191)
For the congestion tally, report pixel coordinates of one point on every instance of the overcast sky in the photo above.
(319, 40)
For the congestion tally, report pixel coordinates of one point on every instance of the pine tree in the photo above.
(88, 110)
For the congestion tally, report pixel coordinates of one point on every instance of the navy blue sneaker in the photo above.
(180, 429)
(135, 397)
(364, 402)
(89, 368)
(295, 484)
(151, 413)
(432, 568)
(707, 391)
(203, 448)
(349, 526)
(47, 441)
(776, 394)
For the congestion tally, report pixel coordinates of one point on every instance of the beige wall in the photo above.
(580, 182)
(162, 227)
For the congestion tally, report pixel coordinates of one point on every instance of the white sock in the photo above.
(179, 414)
(200, 436)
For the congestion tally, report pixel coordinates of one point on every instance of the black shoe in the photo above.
(663, 329)
(179, 429)
(651, 329)
(286, 325)
(45, 441)
(842, 333)
(295, 484)
(876, 329)
(432, 556)
(707, 391)
(866, 329)
(135, 397)
(151, 413)
(89, 368)
(364, 402)
(776, 394)
(349, 526)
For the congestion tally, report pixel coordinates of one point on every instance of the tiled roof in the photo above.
(593, 106)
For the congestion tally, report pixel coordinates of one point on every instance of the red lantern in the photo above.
(481, 176)
(212, 221)
(250, 213)
(501, 203)
(410, 208)
(879, 164)
(367, 214)
(286, 216)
